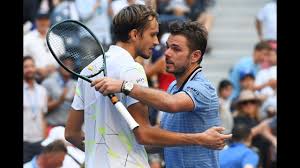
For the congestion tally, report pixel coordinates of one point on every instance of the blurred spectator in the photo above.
(224, 91)
(268, 129)
(95, 15)
(247, 80)
(252, 63)
(247, 108)
(34, 44)
(266, 22)
(177, 8)
(34, 108)
(30, 9)
(74, 157)
(201, 11)
(52, 156)
(117, 5)
(266, 80)
(239, 154)
(155, 161)
(269, 107)
(61, 89)
(46, 6)
(64, 9)
(248, 113)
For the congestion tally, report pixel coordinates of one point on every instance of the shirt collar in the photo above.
(116, 50)
(26, 86)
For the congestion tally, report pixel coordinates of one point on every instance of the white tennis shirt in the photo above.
(109, 142)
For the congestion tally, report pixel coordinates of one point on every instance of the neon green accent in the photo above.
(90, 144)
(140, 165)
(90, 68)
(93, 117)
(78, 92)
(101, 130)
(113, 154)
(127, 142)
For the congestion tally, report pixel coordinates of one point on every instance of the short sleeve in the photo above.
(201, 94)
(250, 158)
(135, 75)
(78, 103)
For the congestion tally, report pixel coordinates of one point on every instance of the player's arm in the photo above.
(149, 135)
(73, 131)
(158, 99)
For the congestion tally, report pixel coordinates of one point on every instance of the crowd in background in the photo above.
(248, 106)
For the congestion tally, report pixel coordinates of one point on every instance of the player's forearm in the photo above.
(159, 137)
(155, 98)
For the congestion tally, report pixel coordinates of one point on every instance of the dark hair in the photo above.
(25, 58)
(132, 17)
(241, 131)
(223, 84)
(195, 33)
(55, 146)
(263, 45)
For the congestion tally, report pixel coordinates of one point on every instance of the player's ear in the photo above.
(196, 55)
(133, 34)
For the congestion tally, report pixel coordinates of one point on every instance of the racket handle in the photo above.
(124, 112)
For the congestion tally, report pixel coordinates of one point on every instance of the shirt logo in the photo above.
(193, 90)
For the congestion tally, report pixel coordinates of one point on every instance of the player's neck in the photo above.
(128, 47)
(181, 78)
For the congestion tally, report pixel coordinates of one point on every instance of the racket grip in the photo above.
(124, 112)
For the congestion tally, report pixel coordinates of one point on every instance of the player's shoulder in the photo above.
(201, 82)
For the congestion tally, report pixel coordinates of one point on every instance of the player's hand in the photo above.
(213, 138)
(107, 85)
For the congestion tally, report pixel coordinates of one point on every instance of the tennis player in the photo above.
(109, 142)
(191, 104)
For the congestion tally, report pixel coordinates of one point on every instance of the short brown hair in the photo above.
(263, 45)
(132, 17)
(195, 33)
(25, 58)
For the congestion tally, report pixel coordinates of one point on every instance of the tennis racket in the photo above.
(71, 39)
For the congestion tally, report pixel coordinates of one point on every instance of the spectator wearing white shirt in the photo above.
(266, 79)
(266, 22)
(95, 15)
(34, 108)
(34, 44)
(224, 91)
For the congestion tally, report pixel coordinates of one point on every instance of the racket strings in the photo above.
(72, 40)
